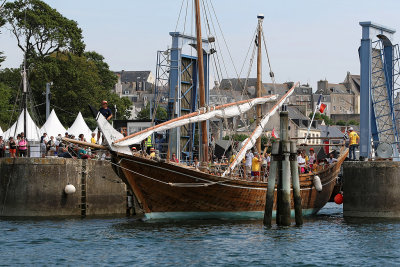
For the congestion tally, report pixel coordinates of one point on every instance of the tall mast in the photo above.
(25, 97)
(202, 91)
(259, 76)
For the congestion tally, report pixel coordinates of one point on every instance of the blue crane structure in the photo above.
(379, 90)
(176, 73)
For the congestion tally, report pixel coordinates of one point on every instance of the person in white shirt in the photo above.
(331, 159)
(249, 160)
(301, 161)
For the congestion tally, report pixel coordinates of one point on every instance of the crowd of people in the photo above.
(16, 147)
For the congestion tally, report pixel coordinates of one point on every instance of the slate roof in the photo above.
(295, 113)
(330, 131)
(268, 88)
(133, 76)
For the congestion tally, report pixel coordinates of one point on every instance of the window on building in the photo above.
(340, 108)
(334, 108)
(134, 99)
(126, 92)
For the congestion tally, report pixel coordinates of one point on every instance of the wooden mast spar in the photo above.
(259, 77)
(202, 91)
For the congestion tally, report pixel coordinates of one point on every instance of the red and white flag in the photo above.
(321, 106)
(274, 134)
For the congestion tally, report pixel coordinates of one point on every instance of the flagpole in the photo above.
(312, 119)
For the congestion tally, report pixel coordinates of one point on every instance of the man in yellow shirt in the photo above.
(93, 140)
(152, 153)
(256, 166)
(354, 139)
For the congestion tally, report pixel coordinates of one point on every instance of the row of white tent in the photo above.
(52, 127)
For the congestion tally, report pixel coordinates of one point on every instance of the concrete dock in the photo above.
(371, 189)
(35, 187)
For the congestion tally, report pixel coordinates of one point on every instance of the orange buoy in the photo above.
(338, 199)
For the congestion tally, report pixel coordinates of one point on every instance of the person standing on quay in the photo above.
(23, 146)
(354, 139)
(106, 112)
(13, 147)
(2, 147)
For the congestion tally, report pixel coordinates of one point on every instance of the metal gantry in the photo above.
(379, 113)
(178, 73)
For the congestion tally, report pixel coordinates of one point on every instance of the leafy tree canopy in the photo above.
(144, 114)
(41, 30)
(77, 83)
(319, 116)
(5, 106)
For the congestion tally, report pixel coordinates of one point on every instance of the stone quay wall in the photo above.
(35, 187)
(371, 189)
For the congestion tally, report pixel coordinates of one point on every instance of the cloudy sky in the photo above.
(308, 40)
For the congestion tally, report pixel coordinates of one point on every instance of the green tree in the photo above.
(144, 114)
(319, 116)
(341, 123)
(41, 30)
(77, 83)
(5, 106)
(2, 22)
(353, 122)
(236, 137)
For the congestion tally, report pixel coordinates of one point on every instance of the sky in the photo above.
(308, 40)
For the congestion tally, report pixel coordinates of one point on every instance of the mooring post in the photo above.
(283, 189)
(273, 172)
(285, 199)
(295, 183)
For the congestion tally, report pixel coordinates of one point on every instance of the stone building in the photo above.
(138, 86)
(340, 98)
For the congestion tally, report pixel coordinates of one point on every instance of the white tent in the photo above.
(80, 127)
(33, 132)
(1, 132)
(53, 126)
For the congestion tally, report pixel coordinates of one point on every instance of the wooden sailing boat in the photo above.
(169, 190)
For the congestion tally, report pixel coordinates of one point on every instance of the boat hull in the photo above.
(167, 190)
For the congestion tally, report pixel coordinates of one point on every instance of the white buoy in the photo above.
(69, 189)
(317, 183)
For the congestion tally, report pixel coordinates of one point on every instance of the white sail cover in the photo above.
(80, 127)
(223, 111)
(33, 132)
(250, 142)
(53, 126)
(111, 135)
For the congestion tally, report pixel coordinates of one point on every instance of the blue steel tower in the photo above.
(183, 91)
(379, 99)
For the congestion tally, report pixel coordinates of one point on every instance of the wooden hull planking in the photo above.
(167, 190)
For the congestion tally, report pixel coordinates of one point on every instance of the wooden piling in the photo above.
(295, 183)
(273, 172)
(285, 189)
(282, 210)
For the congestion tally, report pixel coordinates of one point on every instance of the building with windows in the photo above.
(138, 86)
(340, 98)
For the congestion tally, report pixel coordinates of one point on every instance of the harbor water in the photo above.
(326, 239)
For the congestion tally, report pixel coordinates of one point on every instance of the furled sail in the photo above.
(222, 111)
(250, 142)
